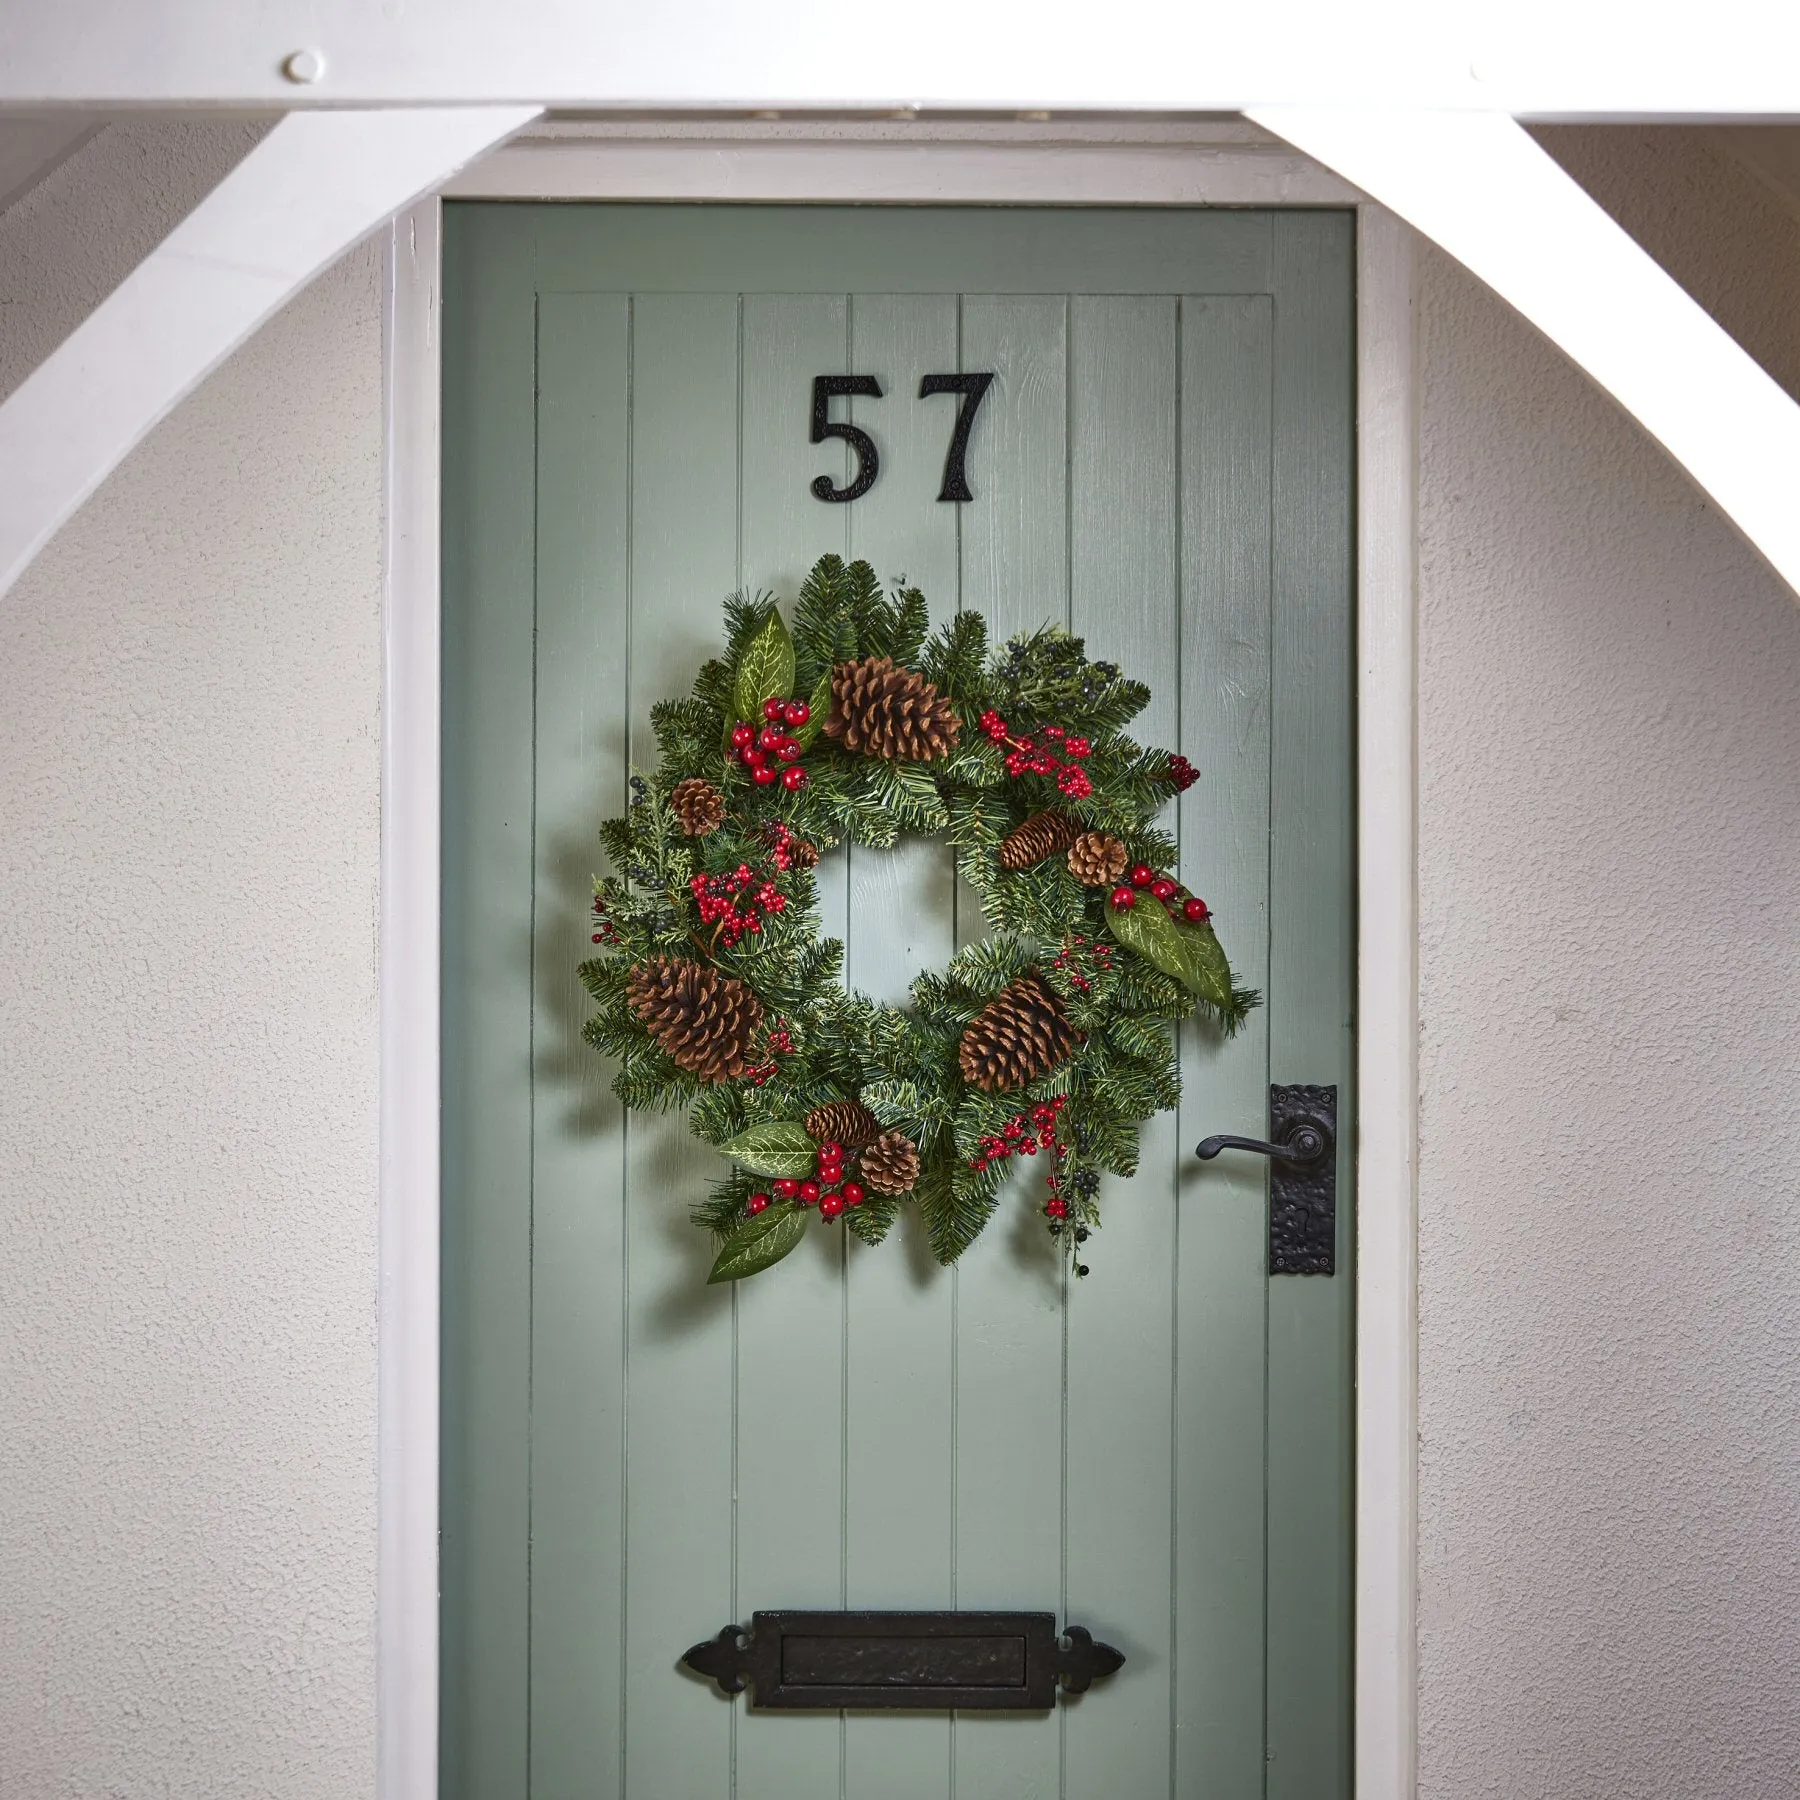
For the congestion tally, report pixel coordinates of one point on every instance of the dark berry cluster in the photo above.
(1181, 774)
(736, 903)
(1053, 752)
(1096, 678)
(1181, 904)
(826, 1188)
(772, 754)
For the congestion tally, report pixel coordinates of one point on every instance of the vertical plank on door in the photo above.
(790, 1323)
(1312, 994)
(578, 1131)
(489, 325)
(1009, 1285)
(678, 1343)
(899, 1402)
(1124, 596)
(1222, 1250)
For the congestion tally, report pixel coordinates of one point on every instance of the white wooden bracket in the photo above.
(1479, 186)
(317, 184)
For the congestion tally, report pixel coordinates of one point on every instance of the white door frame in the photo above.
(1224, 163)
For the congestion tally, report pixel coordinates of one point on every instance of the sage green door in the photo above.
(1160, 1452)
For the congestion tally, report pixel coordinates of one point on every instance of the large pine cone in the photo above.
(846, 1122)
(880, 710)
(1096, 859)
(707, 1021)
(1040, 836)
(890, 1165)
(1020, 1034)
(698, 806)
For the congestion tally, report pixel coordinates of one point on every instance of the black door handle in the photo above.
(1305, 1144)
(1302, 1178)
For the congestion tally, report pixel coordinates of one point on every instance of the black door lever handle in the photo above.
(1302, 1177)
(1307, 1144)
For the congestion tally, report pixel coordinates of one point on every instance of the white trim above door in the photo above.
(1222, 163)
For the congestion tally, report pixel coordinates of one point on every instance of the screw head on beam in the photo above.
(304, 67)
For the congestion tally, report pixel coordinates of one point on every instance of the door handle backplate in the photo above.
(1302, 1153)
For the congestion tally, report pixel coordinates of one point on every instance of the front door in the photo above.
(632, 1459)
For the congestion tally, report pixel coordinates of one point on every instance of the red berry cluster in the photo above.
(1181, 774)
(781, 844)
(736, 903)
(605, 931)
(826, 1188)
(1024, 1134)
(1078, 955)
(765, 752)
(1053, 752)
(1181, 904)
(780, 1042)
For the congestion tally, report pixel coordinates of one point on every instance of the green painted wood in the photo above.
(489, 343)
(630, 1459)
(578, 1128)
(1124, 540)
(892, 250)
(1312, 992)
(1221, 1253)
(679, 1353)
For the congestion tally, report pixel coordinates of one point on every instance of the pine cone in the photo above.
(1040, 836)
(846, 1122)
(1096, 858)
(880, 710)
(1020, 1034)
(698, 806)
(890, 1165)
(706, 1021)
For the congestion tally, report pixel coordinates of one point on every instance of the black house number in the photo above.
(826, 388)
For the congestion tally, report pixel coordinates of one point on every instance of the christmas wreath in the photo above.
(1050, 1038)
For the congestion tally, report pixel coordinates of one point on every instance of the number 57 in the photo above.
(827, 388)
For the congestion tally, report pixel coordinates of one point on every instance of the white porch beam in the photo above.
(1592, 57)
(318, 183)
(1481, 188)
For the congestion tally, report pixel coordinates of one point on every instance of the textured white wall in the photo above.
(1610, 996)
(189, 812)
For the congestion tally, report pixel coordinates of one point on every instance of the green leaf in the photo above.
(1210, 972)
(1147, 928)
(759, 1243)
(819, 709)
(765, 670)
(782, 1147)
(1190, 953)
